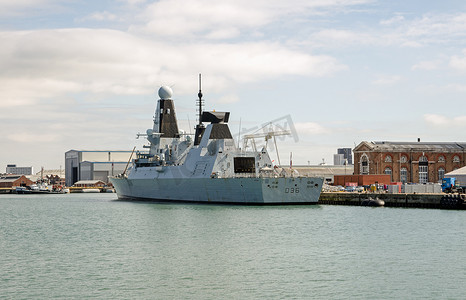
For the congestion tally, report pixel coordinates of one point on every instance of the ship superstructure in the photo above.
(208, 167)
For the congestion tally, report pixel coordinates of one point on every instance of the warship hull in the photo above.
(243, 190)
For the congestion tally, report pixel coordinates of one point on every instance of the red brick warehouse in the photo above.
(409, 162)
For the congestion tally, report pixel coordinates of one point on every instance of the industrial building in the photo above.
(328, 172)
(10, 181)
(94, 165)
(409, 162)
(13, 169)
(459, 174)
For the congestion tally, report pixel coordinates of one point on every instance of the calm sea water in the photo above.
(81, 246)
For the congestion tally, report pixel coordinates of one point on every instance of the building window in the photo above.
(388, 171)
(388, 159)
(403, 159)
(456, 159)
(404, 175)
(441, 159)
(441, 174)
(364, 164)
(423, 169)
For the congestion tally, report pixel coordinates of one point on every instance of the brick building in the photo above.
(9, 181)
(409, 162)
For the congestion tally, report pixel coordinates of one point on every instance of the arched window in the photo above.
(441, 174)
(456, 159)
(388, 158)
(423, 169)
(403, 159)
(388, 171)
(441, 159)
(364, 169)
(404, 175)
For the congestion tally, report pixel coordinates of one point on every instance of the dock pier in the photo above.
(439, 201)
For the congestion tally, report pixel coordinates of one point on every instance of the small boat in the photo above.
(372, 202)
(22, 190)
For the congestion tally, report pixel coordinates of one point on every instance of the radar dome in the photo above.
(165, 92)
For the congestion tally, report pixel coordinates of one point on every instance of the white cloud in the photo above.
(227, 99)
(28, 137)
(310, 128)
(53, 62)
(456, 87)
(207, 18)
(458, 62)
(437, 28)
(394, 20)
(445, 121)
(9, 6)
(436, 119)
(100, 16)
(224, 33)
(134, 2)
(20, 8)
(399, 31)
(337, 37)
(386, 79)
(180, 18)
(427, 65)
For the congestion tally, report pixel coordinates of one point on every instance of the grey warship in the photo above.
(208, 167)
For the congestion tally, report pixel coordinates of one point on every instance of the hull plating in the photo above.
(298, 190)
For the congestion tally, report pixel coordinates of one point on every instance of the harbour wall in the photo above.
(440, 200)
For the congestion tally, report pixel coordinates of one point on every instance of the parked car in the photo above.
(350, 189)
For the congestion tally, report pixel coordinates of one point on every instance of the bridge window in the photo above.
(244, 165)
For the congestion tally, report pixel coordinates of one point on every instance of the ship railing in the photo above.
(253, 175)
(244, 175)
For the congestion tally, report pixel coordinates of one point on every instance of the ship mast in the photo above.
(199, 127)
(200, 101)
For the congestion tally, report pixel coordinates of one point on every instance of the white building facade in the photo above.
(13, 169)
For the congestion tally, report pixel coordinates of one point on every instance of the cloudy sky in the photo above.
(84, 74)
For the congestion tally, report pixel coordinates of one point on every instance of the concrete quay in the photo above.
(439, 201)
